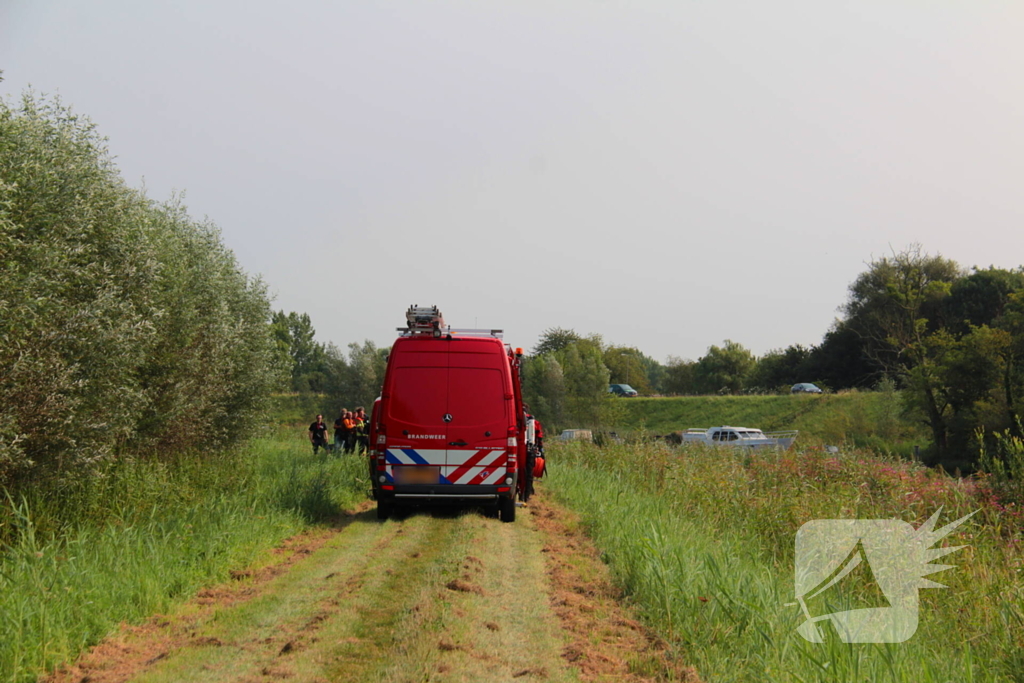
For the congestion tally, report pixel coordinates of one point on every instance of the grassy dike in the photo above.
(873, 420)
(702, 540)
(143, 536)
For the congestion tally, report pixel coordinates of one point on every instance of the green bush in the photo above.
(1004, 465)
(126, 326)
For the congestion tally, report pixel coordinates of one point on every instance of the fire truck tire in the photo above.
(384, 510)
(507, 509)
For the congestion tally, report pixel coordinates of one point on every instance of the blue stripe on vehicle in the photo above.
(416, 457)
(391, 480)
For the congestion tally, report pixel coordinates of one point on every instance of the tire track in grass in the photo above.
(606, 640)
(357, 643)
(340, 605)
(486, 616)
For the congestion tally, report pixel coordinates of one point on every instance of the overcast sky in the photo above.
(667, 174)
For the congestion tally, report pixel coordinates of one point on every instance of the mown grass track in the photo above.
(452, 597)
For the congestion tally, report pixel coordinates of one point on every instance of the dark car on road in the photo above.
(805, 388)
(622, 390)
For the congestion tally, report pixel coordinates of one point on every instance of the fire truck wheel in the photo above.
(384, 510)
(507, 509)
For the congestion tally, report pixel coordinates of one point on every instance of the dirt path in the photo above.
(426, 598)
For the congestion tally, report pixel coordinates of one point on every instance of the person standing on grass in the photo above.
(340, 432)
(363, 430)
(349, 423)
(355, 437)
(318, 434)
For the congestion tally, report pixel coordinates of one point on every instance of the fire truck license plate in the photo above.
(417, 474)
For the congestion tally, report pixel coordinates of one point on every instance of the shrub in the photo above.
(126, 326)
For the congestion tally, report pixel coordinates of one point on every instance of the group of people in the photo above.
(351, 432)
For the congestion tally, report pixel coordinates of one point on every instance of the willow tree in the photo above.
(125, 325)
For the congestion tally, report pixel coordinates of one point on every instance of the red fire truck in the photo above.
(449, 426)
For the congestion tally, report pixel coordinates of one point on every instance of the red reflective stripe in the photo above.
(486, 470)
(480, 455)
(478, 479)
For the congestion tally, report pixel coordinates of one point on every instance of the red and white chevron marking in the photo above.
(457, 466)
(478, 467)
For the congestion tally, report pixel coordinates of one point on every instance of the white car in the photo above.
(577, 435)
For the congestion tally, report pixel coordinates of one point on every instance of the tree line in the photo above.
(352, 379)
(126, 326)
(951, 338)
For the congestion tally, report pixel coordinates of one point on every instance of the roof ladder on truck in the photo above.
(423, 320)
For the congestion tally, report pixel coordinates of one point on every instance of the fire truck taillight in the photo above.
(510, 452)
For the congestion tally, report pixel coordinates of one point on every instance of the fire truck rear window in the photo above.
(476, 396)
(422, 398)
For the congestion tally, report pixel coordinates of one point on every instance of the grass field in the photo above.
(142, 536)
(702, 540)
(863, 419)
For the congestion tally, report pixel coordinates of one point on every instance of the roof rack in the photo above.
(455, 332)
(476, 332)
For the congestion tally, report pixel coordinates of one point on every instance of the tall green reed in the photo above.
(148, 537)
(702, 540)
